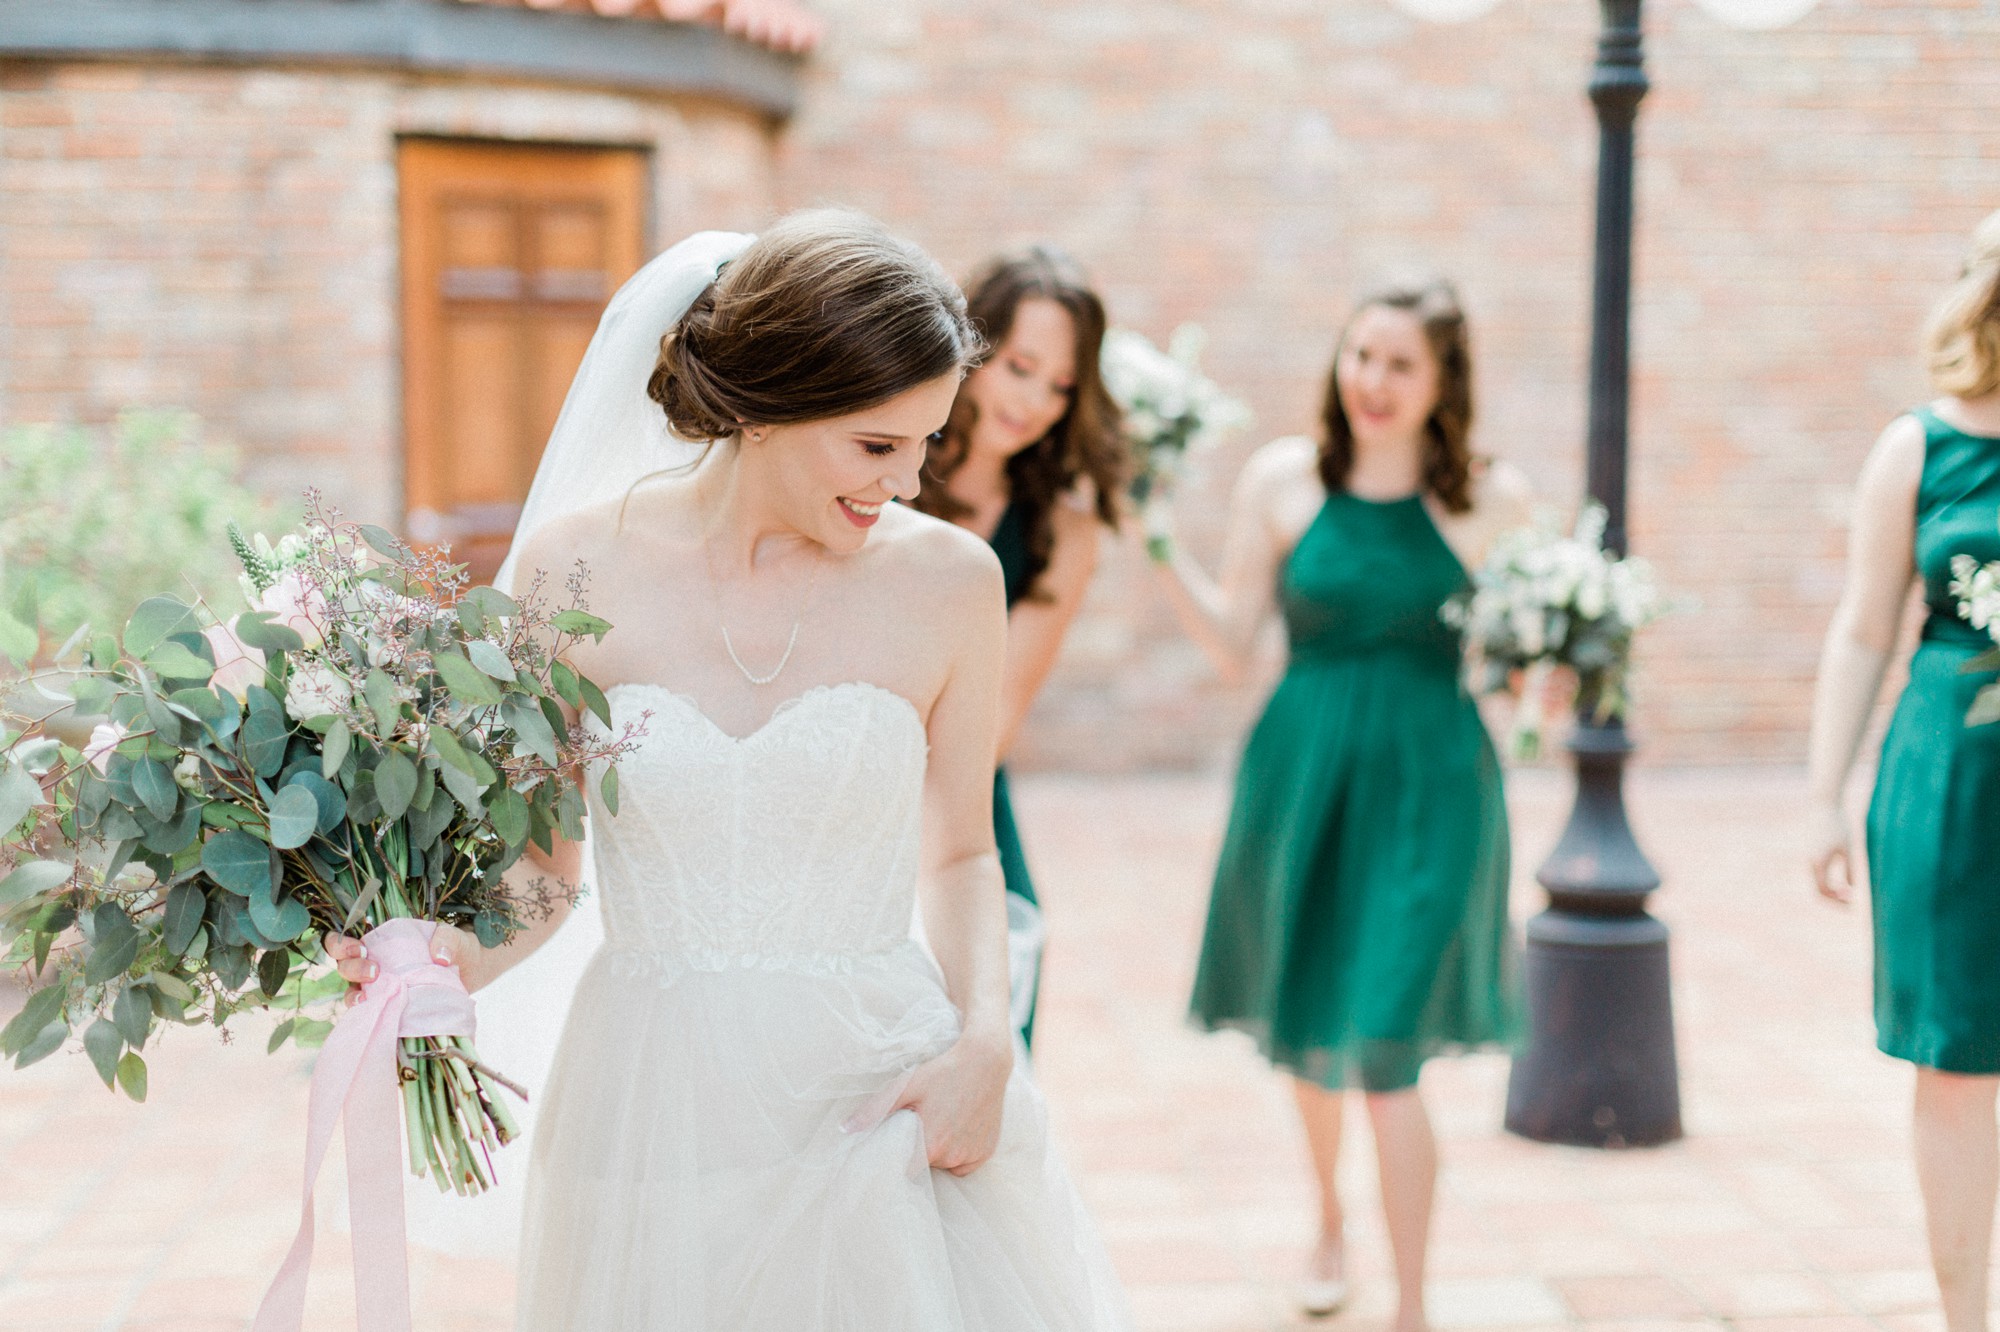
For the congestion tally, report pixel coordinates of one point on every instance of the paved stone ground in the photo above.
(1790, 1207)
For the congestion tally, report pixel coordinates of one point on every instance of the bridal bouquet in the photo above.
(1544, 600)
(1976, 587)
(1170, 409)
(372, 742)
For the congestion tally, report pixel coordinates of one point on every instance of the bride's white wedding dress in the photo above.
(713, 1153)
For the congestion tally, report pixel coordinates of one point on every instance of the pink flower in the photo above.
(104, 737)
(237, 664)
(297, 603)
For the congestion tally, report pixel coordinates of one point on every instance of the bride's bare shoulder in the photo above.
(595, 534)
(935, 560)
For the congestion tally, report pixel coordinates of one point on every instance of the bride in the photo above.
(774, 1105)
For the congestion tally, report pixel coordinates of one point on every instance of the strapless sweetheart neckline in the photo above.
(795, 703)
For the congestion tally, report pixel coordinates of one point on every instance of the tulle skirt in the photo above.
(714, 1155)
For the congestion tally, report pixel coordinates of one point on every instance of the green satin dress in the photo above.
(1010, 543)
(1359, 918)
(1934, 823)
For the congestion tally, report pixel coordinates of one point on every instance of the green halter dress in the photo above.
(1359, 918)
(1010, 543)
(1934, 823)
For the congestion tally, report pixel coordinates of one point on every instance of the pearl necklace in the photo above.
(715, 594)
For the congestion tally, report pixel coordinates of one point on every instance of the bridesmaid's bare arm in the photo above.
(1881, 564)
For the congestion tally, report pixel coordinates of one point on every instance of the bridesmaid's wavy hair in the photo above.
(1084, 443)
(1962, 343)
(824, 314)
(1447, 465)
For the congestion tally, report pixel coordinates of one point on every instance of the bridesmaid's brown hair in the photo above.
(1447, 465)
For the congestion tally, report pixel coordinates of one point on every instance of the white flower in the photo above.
(104, 737)
(316, 690)
(297, 603)
(188, 773)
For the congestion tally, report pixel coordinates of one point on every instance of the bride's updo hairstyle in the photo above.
(824, 314)
(1962, 343)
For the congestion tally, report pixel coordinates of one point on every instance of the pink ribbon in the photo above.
(411, 996)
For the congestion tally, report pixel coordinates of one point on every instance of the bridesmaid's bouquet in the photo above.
(1976, 587)
(373, 741)
(1544, 600)
(1169, 410)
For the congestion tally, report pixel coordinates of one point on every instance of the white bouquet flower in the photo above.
(1544, 600)
(1170, 409)
(1977, 589)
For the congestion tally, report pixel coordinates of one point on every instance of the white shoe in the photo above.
(1319, 1299)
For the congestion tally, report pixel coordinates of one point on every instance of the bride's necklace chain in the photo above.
(805, 603)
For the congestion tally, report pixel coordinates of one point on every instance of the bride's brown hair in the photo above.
(1447, 463)
(824, 314)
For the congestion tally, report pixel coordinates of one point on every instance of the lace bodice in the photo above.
(793, 846)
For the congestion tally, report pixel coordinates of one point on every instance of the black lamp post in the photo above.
(1598, 1068)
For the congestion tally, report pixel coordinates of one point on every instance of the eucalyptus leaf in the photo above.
(333, 750)
(395, 783)
(294, 817)
(18, 642)
(463, 788)
(284, 1029)
(163, 718)
(19, 794)
(465, 682)
(222, 814)
(1985, 707)
(531, 728)
(381, 541)
(177, 834)
(265, 733)
(239, 862)
(231, 964)
(509, 813)
(43, 1007)
(272, 968)
(328, 799)
(152, 623)
(580, 623)
(113, 955)
(173, 987)
(204, 705)
(49, 1041)
(310, 1033)
(565, 681)
(281, 920)
(31, 878)
(594, 699)
(182, 918)
(260, 630)
(132, 1077)
(490, 927)
(608, 788)
(117, 824)
(153, 782)
(380, 691)
(454, 754)
(132, 1010)
(492, 603)
(171, 661)
(488, 657)
(103, 1044)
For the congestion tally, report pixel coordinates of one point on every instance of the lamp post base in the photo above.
(1599, 1069)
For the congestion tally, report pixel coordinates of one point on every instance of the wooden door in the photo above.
(509, 255)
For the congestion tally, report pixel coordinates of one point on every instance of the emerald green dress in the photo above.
(1359, 917)
(1934, 823)
(1010, 543)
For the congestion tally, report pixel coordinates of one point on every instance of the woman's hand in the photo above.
(450, 947)
(1832, 866)
(958, 1096)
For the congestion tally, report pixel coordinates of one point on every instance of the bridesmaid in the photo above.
(1359, 917)
(1929, 490)
(1032, 461)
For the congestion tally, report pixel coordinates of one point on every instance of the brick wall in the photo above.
(1248, 163)
(225, 241)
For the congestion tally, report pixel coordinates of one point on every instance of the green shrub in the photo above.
(95, 520)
